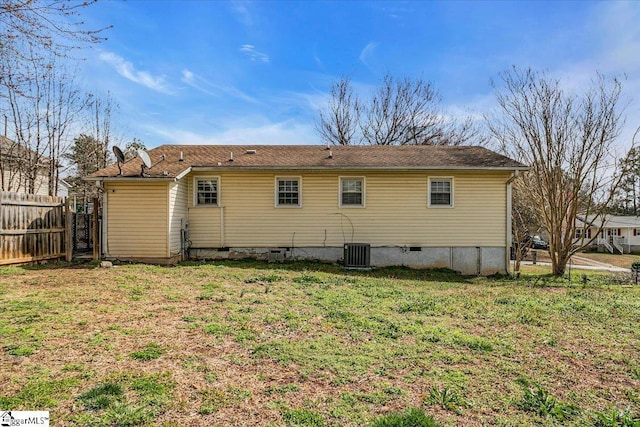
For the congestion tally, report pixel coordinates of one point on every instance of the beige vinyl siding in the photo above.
(396, 212)
(177, 211)
(137, 219)
(42, 184)
(204, 220)
(15, 181)
(204, 227)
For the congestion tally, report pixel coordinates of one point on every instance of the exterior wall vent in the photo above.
(276, 255)
(357, 255)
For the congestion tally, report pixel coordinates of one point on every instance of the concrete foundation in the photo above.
(145, 260)
(466, 260)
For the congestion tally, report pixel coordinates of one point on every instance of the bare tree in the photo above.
(41, 110)
(339, 120)
(91, 150)
(38, 96)
(402, 112)
(100, 111)
(64, 102)
(567, 140)
(399, 112)
(47, 25)
(524, 220)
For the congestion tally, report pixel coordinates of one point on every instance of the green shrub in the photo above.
(303, 418)
(150, 352)
(281, 389)
(123, 415)
(412, 417)
(616, 418)
(20, 351)
(102, 396)
(446, 398)
(538, 401)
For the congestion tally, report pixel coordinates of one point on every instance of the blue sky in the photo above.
(256, 72)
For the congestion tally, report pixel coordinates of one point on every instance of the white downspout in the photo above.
(222, 226)
(509, 237)
(105, 216)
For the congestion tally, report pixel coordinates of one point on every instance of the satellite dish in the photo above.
(119, 154)
(145, 158)
(120, 157)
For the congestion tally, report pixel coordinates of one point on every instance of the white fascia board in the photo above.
(372, 168)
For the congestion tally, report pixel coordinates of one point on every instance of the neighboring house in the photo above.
(420, 206)
(13, 163)
(63, 188)
(619, 234)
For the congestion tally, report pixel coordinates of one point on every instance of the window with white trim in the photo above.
(352, 191)
(288, 192)
(206, 191)
(441, 192)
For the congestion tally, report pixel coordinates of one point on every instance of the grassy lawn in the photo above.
(246, 343)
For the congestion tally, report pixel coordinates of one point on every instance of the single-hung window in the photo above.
(352, 191)
(207, 191)
(288, 192)
(441, 192)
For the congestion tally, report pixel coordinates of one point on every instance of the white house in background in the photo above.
(13, 161)
(63, 188)
(619, 234)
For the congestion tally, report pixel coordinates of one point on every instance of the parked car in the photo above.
(538, 243)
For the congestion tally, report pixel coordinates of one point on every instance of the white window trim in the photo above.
(195, 191)
(364, 192)
(275, 192)
(438, 178)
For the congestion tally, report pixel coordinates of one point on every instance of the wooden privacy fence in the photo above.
(34, 228)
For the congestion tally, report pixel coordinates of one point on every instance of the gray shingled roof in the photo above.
(308, 157)
(611, 221)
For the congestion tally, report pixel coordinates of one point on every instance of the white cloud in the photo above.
(205, 86)
(367, 54)
(311, 101)
(618, 25)
(283, 133)
(187, 76)
(318, 61)
(190, 78)
(614, 27)
(253, 54)
(242, 11)
(128, 71)
(289, 132)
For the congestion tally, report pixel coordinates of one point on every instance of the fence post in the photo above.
(96, 235)
(67, 230)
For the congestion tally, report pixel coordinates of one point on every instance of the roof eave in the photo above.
(258, 168)
(138, 178)
(352, 167)
(129, 178)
